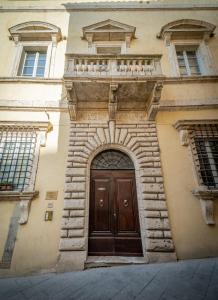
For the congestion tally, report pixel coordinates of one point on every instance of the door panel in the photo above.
(124, 205)
(113, 224)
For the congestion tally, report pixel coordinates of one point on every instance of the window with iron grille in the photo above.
(17, 151)
(205, 150)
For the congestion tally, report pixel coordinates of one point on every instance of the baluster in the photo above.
(128, 69)
(140, 68)
(97, 66)
(85, 68)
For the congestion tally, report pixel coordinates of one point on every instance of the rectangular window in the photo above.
(34, 64)
(17, 150)
(205, 149)
(187, 62)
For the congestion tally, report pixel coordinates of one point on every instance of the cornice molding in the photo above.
(108, 6)
(187, 124)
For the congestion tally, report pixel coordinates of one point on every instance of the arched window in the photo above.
(187, 42)
(112, 160)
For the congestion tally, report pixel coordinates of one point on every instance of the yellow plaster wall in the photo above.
(37, 241)
(192, 237)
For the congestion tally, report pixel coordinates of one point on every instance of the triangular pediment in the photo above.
(108, 30)
(109, 25)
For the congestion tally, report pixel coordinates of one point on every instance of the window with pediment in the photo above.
(109, 37)
(187, 42)
(35, 48)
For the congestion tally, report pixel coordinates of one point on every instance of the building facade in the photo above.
(108, 133)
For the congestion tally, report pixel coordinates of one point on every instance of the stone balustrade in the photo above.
(103, 66)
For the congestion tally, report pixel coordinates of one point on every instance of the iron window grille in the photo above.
(17, 151)
(204, 142)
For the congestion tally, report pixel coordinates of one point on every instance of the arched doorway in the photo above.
(113, 217)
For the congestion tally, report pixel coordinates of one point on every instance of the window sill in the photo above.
(207, 197)
(25, 199)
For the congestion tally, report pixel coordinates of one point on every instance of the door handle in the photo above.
(101, 202)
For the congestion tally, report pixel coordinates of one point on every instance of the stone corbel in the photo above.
(206, 37)
(25, 202)
(167, 38)
(72, 100)
(112, 105)
(154, 100)
(16, 38)
(89, 37)
(184, 137)
(54, 39)
(128, 37)
(207, 198)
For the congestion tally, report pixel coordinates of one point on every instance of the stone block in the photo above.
(148, 159)
(154, 234)
(155, 205)
(64, 233)
(78, 195)
(159, 245)
(152, 188)
(78, 179)
(164, 214)
(152, 214)
(149, 196)
(167, 234)
(148, 179)
(72, 223)
(151, 172)
(74, 204)
(75, 186)
(77, 213)
(75, 232)
(72, 244)
(157, 224)
(65, 213)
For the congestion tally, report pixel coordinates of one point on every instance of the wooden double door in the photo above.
(113, 223)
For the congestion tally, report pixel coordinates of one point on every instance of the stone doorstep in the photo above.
(109, 261)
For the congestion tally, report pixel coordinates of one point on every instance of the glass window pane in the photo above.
(28, 71)
(40, 71)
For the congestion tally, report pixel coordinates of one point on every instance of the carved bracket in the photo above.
(112, 105)
(206, 198)
(25, 202)
(72, 99)
(153, 102)
(25, 199)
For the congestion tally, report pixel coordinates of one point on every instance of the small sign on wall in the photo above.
(51, 195)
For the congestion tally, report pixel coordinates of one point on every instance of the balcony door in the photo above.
(113, 221)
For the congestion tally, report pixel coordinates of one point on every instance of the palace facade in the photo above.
(108, 133)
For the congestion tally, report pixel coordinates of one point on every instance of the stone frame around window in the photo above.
(189, 33)
(25, 197)
(30, 36)
(205, 195)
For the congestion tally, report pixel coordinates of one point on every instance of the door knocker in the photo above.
(101, 202)
(125, 203)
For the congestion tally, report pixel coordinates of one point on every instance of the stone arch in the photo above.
(140, 143)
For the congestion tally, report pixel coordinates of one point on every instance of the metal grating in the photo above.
(205, 149)
(17, 150)
(112, 160)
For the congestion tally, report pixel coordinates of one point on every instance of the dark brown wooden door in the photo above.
(114, 223)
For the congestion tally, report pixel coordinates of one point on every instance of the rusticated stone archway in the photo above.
(140, 143)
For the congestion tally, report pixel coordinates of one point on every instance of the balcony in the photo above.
(112, 66)
(113, 83)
